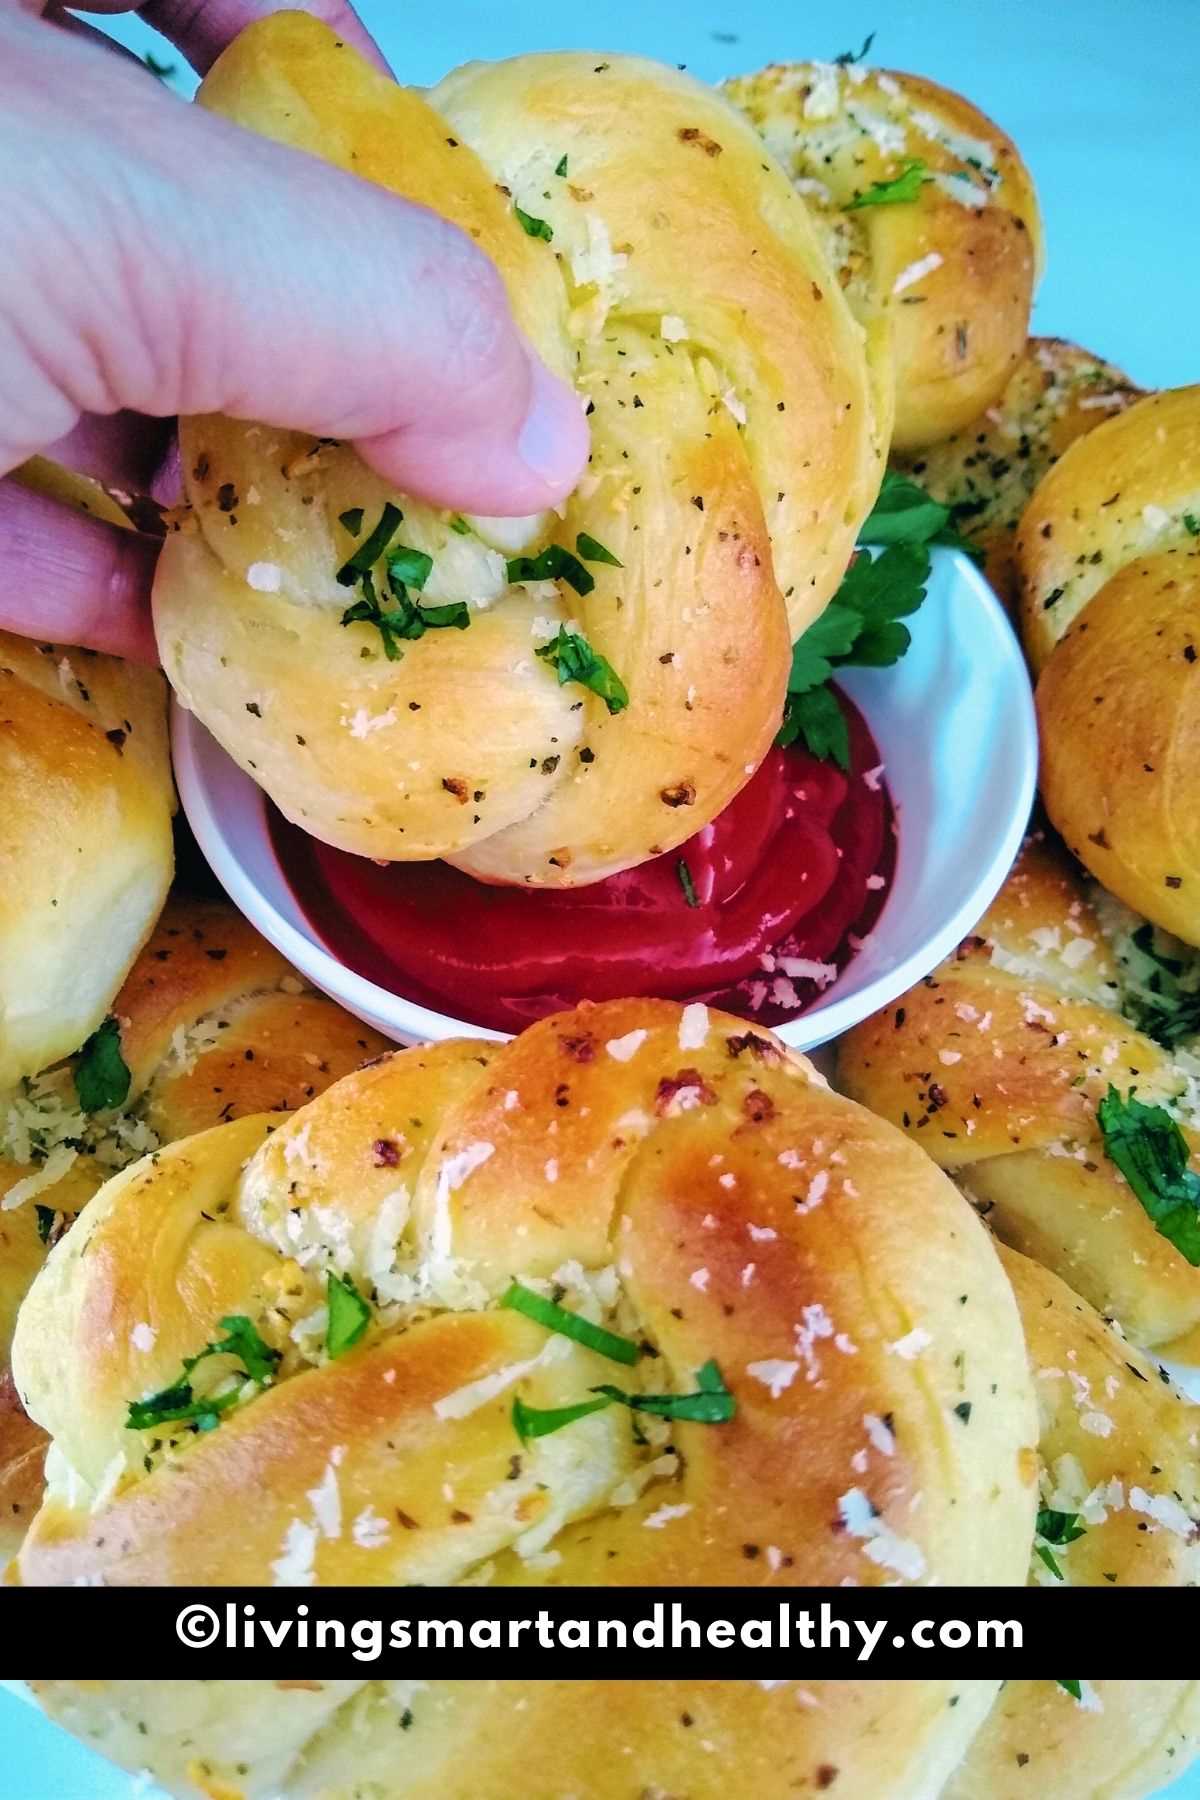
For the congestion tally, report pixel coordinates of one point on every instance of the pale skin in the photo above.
(156, 260)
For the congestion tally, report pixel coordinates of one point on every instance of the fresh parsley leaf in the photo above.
(1051, 1561)
(1059, 1527)
(684, 875)
(712, 1404)
(904, 187)
(860, 626)
(560, 168)
(537, 1421)
(408, 568)
(102, 1079)
(1191, 524)
(179, 1403)
(372, 547)
(1152, 1154)
(1074, 1688)
(352, 519)
(816, 717)
(349, 1315)
(592, 551)
(575, 660)
(847, 57)
(552, 564)
(572, 1325)
(904, 513)
(534, 228)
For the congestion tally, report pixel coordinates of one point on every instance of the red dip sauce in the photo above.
(786, 884)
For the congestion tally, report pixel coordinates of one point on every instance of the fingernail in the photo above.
(553, 441)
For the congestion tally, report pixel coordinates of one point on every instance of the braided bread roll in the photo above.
(85, 841)
(1116, 1443)
(668, 1170)
(509, 1740)
(1109, 559)
(944, 280)
(214, 1025)
(1123, 1740)
(734, 454)
(863, 1740)
(996, 1063)
(988, 468)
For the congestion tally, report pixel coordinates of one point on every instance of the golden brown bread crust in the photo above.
(215, 1024)
(988, 468)
(734, 453)
(996, 1064)
(1108, 554)
(680, 1173)
(943, 282)
(85, 841)
(1123, 1740)
(1117, 1444)
(226, 1740)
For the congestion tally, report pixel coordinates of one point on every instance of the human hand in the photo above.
(158, 260)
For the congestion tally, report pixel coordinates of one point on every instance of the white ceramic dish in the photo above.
(955, 725)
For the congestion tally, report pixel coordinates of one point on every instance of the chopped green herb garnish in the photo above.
(1051, 1561)
(686, 883)
(408, 568)
(537, 1421)
(352, 519)
(1074, 1688)
(1059, 1527)
(349, 1315)
(1191, 524)
(572, 1325)
(372, 547)
(1152, 1154)
(552, 564)
(591, 551)
(712, 1404)
(575, 660)
(560, 168)
(534, 228)
(847, 57)
(406, 620)
(164, 70)
(905, 186)
(1162, 985)
(102, 1079)
(179, 1403)
(459, 524)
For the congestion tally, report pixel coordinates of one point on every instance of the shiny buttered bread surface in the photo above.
(85, 841)
(667, 270)
(212, 1024)
(997, 1062)
(860, 1407)
(1108, 558)
(510, 1740)
(929, 217)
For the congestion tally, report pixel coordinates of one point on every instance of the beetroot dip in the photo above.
(757, 914)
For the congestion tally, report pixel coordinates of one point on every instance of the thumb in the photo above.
(162, 259)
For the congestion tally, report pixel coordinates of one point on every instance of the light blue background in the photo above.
(1103, 98)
